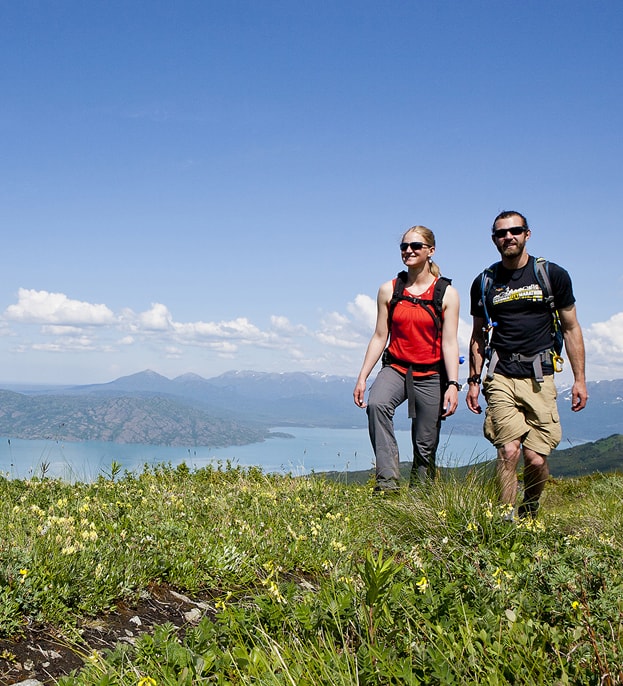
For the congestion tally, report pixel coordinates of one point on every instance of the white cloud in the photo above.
(173, 352)
(363, 311)
(283, 326)
(55, 330)
(56, 308)
(335, 345)
(240, 329)
(605, 339)
(604, 348)
(158, 318)
(68, 344)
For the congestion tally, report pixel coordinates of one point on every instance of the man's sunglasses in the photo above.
(514, 231)
(415, 245)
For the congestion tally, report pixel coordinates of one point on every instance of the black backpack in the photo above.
(434, 307)
(541, 273)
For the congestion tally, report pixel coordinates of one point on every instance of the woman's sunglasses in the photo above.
(415, 245)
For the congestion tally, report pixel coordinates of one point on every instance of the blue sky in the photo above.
(206, 186)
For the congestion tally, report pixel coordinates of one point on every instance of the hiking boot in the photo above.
(529, 509)
(386, 490)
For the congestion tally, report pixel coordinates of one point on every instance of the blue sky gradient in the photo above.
(205, 186)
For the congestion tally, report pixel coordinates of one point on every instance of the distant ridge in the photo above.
(245, 404)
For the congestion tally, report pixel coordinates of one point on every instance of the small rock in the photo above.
(136, 620)
(192, 616)
(183, 598)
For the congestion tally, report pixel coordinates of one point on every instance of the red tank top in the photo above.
(414, 336)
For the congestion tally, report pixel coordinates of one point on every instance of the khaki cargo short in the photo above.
(524, 409)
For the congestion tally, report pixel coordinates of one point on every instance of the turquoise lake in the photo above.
(307, 451)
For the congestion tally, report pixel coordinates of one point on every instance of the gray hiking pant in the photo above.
(387, 392)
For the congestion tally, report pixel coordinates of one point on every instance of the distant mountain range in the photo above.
(239, 407)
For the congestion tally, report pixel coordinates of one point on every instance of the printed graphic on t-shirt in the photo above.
(533, 293)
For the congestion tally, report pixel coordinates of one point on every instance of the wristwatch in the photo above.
(454, 383)
(474, 379)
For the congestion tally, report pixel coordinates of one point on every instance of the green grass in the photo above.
(311, 581)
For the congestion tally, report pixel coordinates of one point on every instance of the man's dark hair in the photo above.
(510, 213)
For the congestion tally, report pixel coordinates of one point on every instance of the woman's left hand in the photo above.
(450, 401)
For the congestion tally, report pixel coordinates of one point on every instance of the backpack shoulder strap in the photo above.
(486, 281)
(399, 286)
(439, 291)
(436, 312)
(541, 272)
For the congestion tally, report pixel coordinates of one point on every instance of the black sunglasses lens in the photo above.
(514, 231)
(416, 245)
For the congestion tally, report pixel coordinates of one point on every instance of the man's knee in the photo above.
(509, 453)
(534, 459)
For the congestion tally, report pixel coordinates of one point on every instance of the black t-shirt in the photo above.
(524, 320)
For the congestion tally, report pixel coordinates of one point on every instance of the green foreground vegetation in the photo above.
(311, 581)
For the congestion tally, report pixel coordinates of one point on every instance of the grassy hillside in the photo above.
(309, 581)
(603, 456)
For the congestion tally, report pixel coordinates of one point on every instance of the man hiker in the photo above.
(517, 306)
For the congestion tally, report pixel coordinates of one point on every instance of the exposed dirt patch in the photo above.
(41, 652)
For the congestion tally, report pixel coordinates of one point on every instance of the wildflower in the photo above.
(500, 575)
(472, 526)
(422, 584)
(575, 604)
(442, 514)
(332, 516)
(414, 556)
(506, 509)
(24, 574)
(147, 681)
(95, 656)
(531, 524)
(315, 529)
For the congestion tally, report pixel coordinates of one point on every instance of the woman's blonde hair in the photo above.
(429, 239)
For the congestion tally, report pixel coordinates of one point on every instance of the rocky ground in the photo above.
(41, 653)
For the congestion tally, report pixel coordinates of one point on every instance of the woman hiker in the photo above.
(419, 313)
